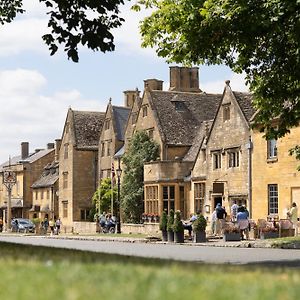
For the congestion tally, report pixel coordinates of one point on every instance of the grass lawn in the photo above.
(48, 273)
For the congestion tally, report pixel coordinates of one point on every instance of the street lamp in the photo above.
(119, 173)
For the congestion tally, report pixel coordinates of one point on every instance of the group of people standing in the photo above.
(53, 224)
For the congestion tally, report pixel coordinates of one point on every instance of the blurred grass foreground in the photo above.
(29, 272)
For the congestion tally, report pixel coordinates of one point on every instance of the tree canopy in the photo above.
(258, 37)
(141, 149)
(85, 22)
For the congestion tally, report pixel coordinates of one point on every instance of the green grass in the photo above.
(29, 272)
(286, 242)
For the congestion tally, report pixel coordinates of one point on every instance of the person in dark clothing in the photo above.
(221, 215)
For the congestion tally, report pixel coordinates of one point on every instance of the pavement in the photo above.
(211, 240)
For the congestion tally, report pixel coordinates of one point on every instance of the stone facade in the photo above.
(275, 179)
(78, 165)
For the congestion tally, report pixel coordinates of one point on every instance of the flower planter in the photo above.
(231, 236)
(269, 235)
(170, 236)
(179, 237)
(164, 235)
(199, 237)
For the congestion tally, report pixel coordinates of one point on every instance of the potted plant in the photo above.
(231, 233)
(199, 226)
(269, 232)
(163, 226)
(170, 224)
(178, 228)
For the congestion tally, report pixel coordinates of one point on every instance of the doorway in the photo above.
(217, 199)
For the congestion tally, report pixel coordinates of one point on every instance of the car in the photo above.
(22, 225)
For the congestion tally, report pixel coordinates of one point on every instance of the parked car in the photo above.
(22, 225)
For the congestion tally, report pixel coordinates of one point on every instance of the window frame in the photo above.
(233, 157)
(273, 199)
(272, 150)
(217, 160)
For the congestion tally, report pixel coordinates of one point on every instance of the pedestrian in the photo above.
(51, 225)
(293, 216)
(58, 225)
(213, 222)
(1, 225)
(45, 225)
(221, 215)
(234, 211)
(243, 222)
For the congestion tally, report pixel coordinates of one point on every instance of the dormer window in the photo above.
(106, 124)
(226, 112)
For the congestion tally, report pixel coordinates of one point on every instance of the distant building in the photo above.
(28, 167)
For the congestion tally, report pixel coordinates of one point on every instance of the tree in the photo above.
(102, 197)
(141, 149)
(260, 38)
(73, 23)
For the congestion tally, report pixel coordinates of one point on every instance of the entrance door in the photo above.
(217, 200)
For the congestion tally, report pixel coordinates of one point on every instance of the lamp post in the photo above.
(9, 180)
(119, 173)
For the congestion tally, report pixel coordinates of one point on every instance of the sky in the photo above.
(37, 89)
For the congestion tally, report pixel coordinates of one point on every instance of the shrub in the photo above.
(170, 222)
(200, 223)
(163, 221)
(178, 226)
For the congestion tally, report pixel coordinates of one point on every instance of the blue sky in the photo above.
(36, 89)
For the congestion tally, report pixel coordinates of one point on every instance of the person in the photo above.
(188, 225)
(293, 216)
(51, 225)
(109, 222)
(221, 215)
(233, 211)
(243, 222)
(17, 225)
(102, 220)
(213, 222)
(58, 224)
(45, 225)
(1, 225)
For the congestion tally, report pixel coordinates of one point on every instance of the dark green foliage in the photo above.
(259, 38)
(141, 149)
(200, 223)
(102, 197)
(178, 226)
(163, 221)
(170, 220)
(72, 23)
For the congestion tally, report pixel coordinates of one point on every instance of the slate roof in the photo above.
(199, 140)
(87, 127)
(179, 127)
(120, 117)
(32, 157)
(245, 103)
(49, 176)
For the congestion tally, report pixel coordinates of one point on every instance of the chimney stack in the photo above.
(57, 148)
(50, 146)
(24, 150)
(130, 97)
(184, 79)
(153, 84)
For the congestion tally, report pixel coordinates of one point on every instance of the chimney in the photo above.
(130, 97)
(153, 84)
(24, 150)
(184, 79)
(57, 148)
(50, 146)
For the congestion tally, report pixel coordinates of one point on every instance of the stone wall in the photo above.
(146, 228)
(82, 227)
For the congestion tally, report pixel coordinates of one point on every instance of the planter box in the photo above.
(199, 237)
(269, 235)
(232, 236)
(170, 236)
(179, 237)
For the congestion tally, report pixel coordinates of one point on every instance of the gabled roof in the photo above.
(245, 102)
(87, 127)
(32, 157)
(120, 118)
(49, 176)
(180, 126)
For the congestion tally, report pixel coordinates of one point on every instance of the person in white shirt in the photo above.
(293, 215)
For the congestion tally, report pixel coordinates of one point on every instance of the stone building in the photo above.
(45, 193)
(173, 119)
(221, 171)
(275, 179)
(78, 164)
(28, 168)
(112, 136)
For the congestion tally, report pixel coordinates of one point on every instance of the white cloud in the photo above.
(237, 83)
(28, 115)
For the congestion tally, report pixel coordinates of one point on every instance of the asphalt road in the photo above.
(205, 254)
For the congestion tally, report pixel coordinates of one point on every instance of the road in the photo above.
(205, 254)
